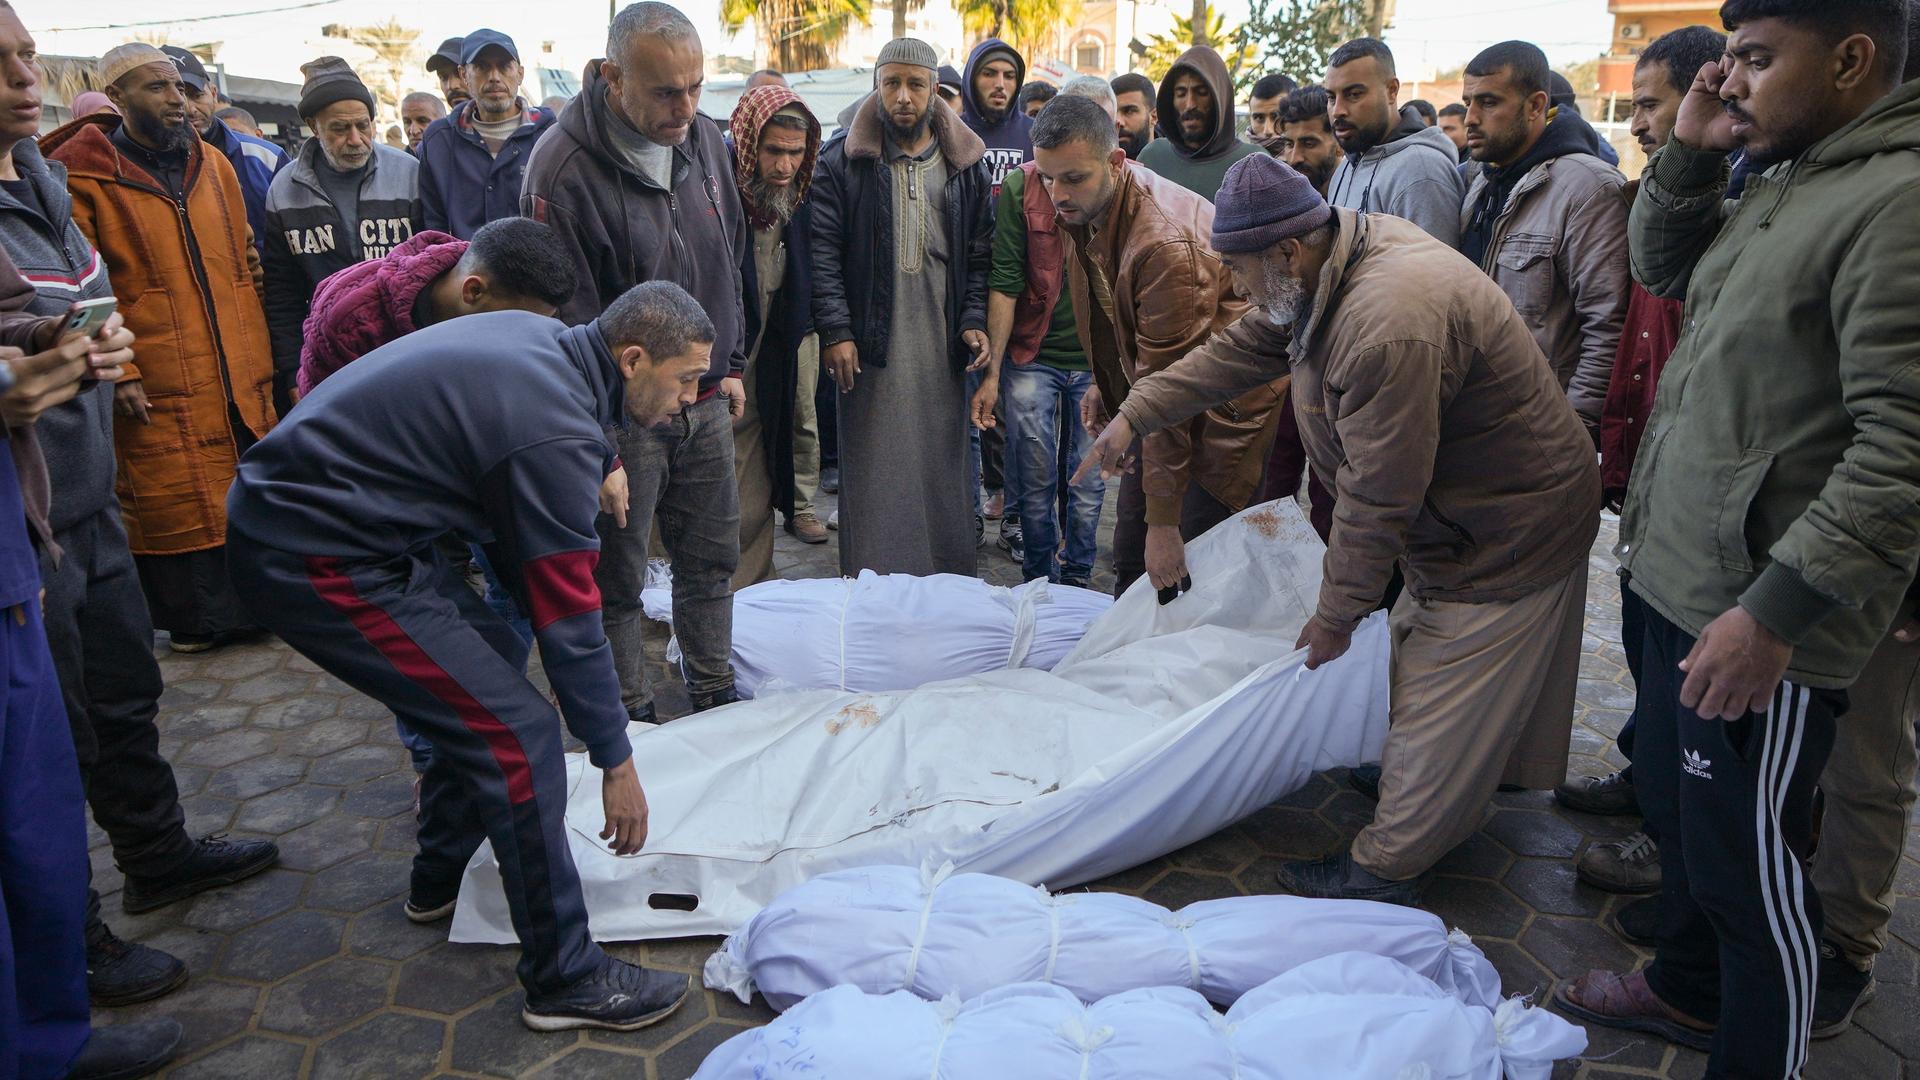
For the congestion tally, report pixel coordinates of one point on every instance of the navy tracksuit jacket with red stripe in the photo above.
(490, 426)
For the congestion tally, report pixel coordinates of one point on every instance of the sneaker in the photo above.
(430, 904)
(191, 643)
(1365, 779)
(1631, 865)
(1841, 991)
(127, 1051)
(703, 702)
(124, 972)
(833, 521)
(1338, 877)
(979, 530)
(1638, 921)
(644, 716)
(806, 528)
(1012, 539)
(618, 997)
(213, 862)
(830, 480)
(1076, 581)
(1610, 795)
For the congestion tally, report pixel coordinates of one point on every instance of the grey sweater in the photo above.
(62, 267)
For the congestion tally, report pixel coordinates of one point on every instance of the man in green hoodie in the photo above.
(1195, 110)
(1769, 524)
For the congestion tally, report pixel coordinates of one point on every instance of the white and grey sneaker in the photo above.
(618, 997)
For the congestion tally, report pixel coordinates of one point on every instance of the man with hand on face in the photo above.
(1134, 116)
(1661, 77)
(641, 187)
(1134, 245)
(1450, 450)
(445, 65)
(1195, 122)
(471, 163)
(776, 445)
(255, 161)
(334, 523)
(1395, 163)
(903, 226)
(1769, 522)
(1263, 110)
(1544, 219)
(168, 219)
(990, 97)
(346, 199)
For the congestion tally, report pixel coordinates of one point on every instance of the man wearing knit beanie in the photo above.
(345, 199)
(1166, 292)
(1451, 450)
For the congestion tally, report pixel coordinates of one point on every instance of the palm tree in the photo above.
(395, 52)
(1232, 45)
(1028, 25)
(798, 35)
(900, 9)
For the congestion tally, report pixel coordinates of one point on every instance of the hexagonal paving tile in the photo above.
(593, 1063)
(323, 737)
(1570, 947)
(229, 749)
(493, 1041)
(326, 841)
(1481, 908)
(208, 1010)
(286, 809)
(205, 721)
(1534, 832)
(330, 996)
(360, 882)
(249, 902)
(387, 1047)
(356, 764)
(289, 714)
(1551, 886)
(255, 1055)
(279, 947)
(266, 687)
(256, 777)
(449, 977)
(385, 931)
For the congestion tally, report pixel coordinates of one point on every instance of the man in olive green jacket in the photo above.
(1770, 524)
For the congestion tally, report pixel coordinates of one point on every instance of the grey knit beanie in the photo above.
(330, 79)
(908, 50)
(1262, 201)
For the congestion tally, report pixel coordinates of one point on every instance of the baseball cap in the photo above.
(447, 55)
(475, 43)
(192, 71)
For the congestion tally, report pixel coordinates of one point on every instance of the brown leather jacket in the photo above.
(1170, 293)
(1423, 398)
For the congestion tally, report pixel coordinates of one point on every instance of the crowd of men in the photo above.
(533, 338)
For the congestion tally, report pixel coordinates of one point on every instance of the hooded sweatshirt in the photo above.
(1414, 174)
(623, 228)
(1010, 141)
(1199, 169)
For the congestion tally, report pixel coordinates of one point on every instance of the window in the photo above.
(1087, 56)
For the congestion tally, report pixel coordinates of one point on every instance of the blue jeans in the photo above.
(1041, 403)
(1009, 467)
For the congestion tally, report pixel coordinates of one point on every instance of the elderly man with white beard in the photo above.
(1428, 410)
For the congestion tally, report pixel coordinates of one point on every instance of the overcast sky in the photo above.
(1427, 35)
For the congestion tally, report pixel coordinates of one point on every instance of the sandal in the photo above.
(1626, 1001)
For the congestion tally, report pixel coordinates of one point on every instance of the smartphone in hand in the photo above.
(88, 317)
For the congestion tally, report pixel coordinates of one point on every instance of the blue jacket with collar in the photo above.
(462, 186)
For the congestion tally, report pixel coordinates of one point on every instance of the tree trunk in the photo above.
(899, 18)
(1200, 23)
(1376, 17)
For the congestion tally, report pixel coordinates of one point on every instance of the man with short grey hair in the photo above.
(418, 111)
(1451, 451)
(640, 186)
(1092, 87)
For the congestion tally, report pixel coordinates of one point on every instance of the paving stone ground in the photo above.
(311, 971)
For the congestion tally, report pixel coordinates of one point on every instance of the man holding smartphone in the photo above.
(97, 622)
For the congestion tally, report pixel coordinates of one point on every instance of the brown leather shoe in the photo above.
(807, 529)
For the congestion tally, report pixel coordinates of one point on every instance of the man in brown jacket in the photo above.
(169, 221)
(1423, 399)
(1135, 249)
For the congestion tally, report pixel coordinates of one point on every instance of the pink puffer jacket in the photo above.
(368, 304)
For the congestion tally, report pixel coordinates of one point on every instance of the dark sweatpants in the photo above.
(1198, 513)
(43, 863)
(411, 634)
(1732, 804)
(102, 645)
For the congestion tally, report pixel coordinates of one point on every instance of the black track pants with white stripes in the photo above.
(1732, 804)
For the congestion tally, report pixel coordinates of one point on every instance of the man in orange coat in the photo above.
(171, 223)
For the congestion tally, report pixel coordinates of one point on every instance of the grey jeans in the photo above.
(680, 472)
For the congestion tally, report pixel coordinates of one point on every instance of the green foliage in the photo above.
(1233, 46)
(798, 35)
(1295, 37)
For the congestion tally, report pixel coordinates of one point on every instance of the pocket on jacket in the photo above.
(1525, 273)
(157, 342)
(1742, 486)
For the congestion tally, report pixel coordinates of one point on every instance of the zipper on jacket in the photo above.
(199, 275)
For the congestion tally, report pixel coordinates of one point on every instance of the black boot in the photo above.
(123, 972)
(213, 862)
(127, 1051)
(1841, 991)
(703, 702)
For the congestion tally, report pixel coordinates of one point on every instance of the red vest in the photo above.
(1046, 269)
